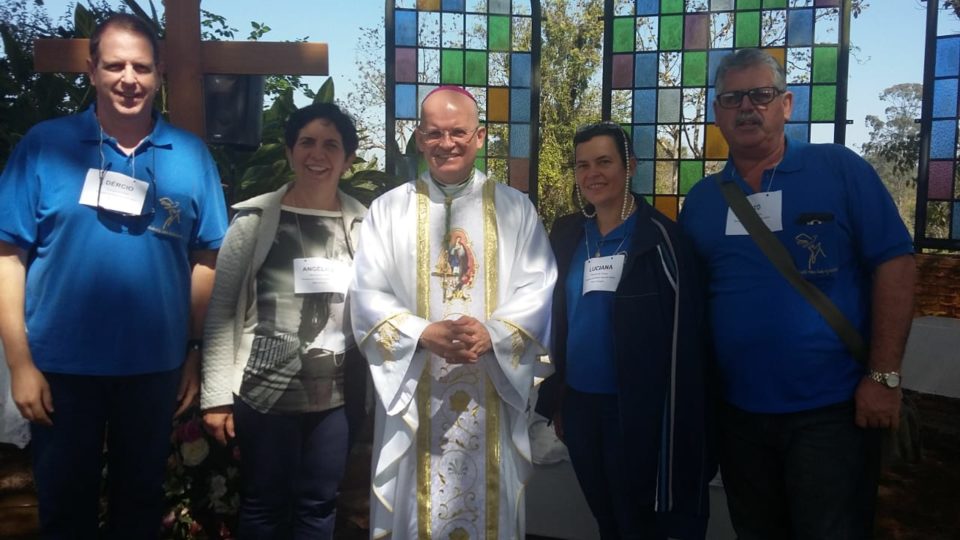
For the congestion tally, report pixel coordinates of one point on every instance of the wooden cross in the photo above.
(186, 59)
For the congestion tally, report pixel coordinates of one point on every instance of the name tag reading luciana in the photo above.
(603, 273)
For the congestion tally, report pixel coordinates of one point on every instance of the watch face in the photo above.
(892, 380)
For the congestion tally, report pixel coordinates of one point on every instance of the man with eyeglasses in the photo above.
(450, 304)
(107, 247)
(799, 452)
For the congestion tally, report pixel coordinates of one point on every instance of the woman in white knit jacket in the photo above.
(277, 340)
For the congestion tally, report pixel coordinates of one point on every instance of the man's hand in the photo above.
(462, 341)
(877, 405)
(472, 332)
(189, 389)
(218, 421)
(32, 394)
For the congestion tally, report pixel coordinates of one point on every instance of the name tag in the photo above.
(769, 206)
(321, 275)
(115, 192)
(603, 273)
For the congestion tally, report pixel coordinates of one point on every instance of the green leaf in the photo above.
(325, 95)
(84, 23)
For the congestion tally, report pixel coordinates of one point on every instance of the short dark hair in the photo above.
(747, 58)
(129, 23)
(610, 129)
(325, 111)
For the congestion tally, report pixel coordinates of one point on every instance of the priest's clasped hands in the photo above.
(460, 341)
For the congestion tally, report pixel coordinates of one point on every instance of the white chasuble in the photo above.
(451, 451)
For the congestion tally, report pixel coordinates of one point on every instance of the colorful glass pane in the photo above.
(451, 66)
(694, 69)
(668, 205)
(476, 68)
(498, 105)
(644, 141)
(644, 106)
(716, 145)
(406, 65)
(747, 29)
(671, 6)
(622, 70)
(824, 64)
(623, 34)
(945, 98)
(648, 7)
(499, 6)
(498, 29)
(690, 173)
(940, 180)
(520, 105)
(453, 5)
(948, 57)
(748, 4)
(520, 140)
(696, 31)
(800, 27)
(428, 5)
(943, 139)
(520, 70)
(671, 32)
(645, 70)
(801, 103)
(823, 103)
(405, 28)
(406, 101)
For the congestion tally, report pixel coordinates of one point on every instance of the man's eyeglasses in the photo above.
(758, 96)
(457, 135)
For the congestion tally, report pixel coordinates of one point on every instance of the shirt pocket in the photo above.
(814, 246)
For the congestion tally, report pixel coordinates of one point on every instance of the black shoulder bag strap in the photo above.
(782, 261)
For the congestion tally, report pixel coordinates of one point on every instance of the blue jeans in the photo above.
(594, 438)
(290, 471)
(804, 475)
(135, 413)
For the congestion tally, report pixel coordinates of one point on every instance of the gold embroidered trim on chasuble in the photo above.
(491, 399)
(491, 261)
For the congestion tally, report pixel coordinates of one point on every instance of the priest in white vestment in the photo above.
(451, 306)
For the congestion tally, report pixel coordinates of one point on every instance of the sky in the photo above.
(888, 39)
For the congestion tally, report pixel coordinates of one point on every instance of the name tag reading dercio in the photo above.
(320, 275)
(603, 273)
(115, 192)
(769, 206)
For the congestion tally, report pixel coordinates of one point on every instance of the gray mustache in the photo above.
(748, 118)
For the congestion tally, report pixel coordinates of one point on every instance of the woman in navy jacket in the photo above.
(630, 397)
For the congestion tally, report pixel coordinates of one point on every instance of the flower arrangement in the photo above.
(202, 487)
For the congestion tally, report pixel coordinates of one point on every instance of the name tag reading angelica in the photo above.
(321, 275)
(116, 192)
(603, 273)
(769, 206)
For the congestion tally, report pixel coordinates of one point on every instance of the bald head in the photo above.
(450, 135)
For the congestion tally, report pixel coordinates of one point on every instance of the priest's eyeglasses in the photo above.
(457, 135)
(758, 96)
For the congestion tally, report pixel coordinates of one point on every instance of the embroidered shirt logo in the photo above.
(813, 246)
(172, 208)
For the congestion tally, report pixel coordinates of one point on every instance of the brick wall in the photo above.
(938, 285)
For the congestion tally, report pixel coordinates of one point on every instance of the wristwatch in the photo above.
(890, 379)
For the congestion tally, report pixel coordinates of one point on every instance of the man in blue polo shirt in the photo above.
(108, 240)
(798, 450)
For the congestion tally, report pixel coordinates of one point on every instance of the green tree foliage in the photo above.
(894, 151)
(570, 94)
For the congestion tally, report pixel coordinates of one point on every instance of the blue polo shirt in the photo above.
(108, 294)
(591, 366)
(776, 352)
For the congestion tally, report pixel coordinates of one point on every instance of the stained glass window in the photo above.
(938, 188)
(491, 48)
(664, 56)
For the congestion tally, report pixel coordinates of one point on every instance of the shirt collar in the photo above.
(790, 162)
(161, 136)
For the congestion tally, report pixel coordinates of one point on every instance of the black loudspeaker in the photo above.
(234, 109)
